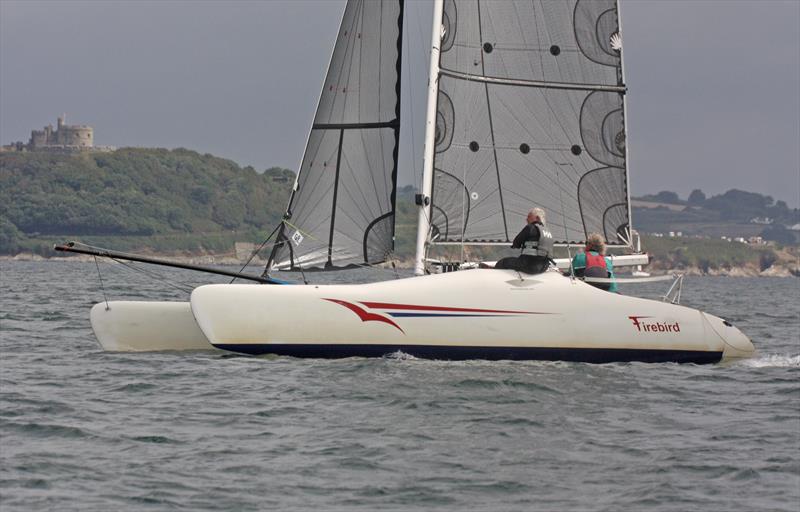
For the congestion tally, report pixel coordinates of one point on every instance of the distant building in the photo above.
(64, 138)
(79, 136)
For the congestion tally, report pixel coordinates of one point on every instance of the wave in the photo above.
(773, 361)
(401, 356)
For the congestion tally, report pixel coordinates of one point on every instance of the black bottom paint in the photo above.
(455, 353)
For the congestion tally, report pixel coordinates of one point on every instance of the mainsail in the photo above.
(341, 211)
(530, 112)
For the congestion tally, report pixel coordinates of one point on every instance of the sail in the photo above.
(341, 211)
(530, 112)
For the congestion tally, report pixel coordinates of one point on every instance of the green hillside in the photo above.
(735, 213)
(157, 199)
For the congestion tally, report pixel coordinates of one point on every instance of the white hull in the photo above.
(474, 314)
(147, 326)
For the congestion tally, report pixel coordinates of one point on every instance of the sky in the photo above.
(713, 102)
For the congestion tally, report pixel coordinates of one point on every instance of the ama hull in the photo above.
(131, 326)
(474, 314)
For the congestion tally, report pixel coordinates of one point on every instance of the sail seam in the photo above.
(335, 193)
(491, 133)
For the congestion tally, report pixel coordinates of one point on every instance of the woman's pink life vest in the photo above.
(595, 260)
(596, 267)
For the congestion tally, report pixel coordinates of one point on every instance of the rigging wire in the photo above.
(183, 287)
(464, 199)
(256, 251)
(102, 286)
(566, 234)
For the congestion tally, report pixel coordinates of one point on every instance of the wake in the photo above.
(773, 361)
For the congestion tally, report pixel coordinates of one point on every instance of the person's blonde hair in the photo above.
(595, 242)
(538, 212)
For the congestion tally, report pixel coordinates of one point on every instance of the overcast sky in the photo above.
(714, 86)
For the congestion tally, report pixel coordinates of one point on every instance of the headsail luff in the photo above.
(350, 161)
(530, 113)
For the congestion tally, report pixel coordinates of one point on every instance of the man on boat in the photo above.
(593, 262)
(536, 243)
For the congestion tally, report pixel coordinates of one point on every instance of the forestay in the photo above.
(342, 209)
(530, 112)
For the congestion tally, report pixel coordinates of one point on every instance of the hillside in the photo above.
(145, 199)
(734, 214)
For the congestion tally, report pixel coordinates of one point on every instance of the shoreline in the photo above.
(656, 267)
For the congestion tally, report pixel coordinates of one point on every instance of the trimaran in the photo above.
(525, 107)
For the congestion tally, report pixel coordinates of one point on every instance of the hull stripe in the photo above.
(388, 305)
(458, 315)
(456, 353)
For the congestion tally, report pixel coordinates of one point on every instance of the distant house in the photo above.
(762, 220)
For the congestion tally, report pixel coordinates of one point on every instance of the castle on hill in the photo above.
(64, 138)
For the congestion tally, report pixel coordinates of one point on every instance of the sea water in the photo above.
(82, 429)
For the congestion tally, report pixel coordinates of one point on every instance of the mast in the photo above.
(625, 126)
(424, 197)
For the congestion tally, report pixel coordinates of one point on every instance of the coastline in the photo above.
(657, 267)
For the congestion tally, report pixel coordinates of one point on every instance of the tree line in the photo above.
(134, 191)
(734, 205)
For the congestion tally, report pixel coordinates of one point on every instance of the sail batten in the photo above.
(534, 83)
(394, 123)
(533, 91)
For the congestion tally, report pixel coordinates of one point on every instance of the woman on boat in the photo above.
(593, 262)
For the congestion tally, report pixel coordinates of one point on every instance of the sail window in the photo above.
(576, 150)
(473, 146)
(555, 49)
(487, 47)
(524, 148)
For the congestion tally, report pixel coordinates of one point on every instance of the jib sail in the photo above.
(341, 211)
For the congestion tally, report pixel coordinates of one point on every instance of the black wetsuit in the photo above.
(530, 233)
(527, 263)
